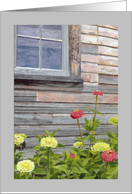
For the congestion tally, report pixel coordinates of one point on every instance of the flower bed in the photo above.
(98, 162)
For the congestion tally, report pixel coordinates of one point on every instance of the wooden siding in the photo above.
(93, 54)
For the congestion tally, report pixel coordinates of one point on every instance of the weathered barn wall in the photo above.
(45, 107)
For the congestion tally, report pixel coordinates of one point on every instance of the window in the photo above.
(41, 50)
(48, 55)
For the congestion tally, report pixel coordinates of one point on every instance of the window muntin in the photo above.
(42, 48)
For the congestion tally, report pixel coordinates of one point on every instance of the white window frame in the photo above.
(38, 71)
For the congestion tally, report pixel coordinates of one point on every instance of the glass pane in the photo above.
(28, 30)
(51, 55)
(27, 52)
(52, 31)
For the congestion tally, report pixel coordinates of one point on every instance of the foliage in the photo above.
(79, 163)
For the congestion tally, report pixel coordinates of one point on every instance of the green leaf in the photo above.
(78, 138)
(62, 167)
(36, 148)
(108, 135)
(86, 138)
(53, 134)
(100, 113)
(89, 177)
(111, 132)
(111, 173)
(79, 170)
(59, 145)
(16, 176)
(39, 171)
(95, 111)
(64, 155)
(92, 139)
(47, 133)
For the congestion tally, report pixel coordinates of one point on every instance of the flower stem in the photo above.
(26, 176)
(95, 109)
(48, 164)
(36, 163)
(80, 131)
(21, 152)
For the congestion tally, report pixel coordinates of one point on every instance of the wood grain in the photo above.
(108, 79)
(91, 39)
(89, 87)
(32, 119)
(89, 48)
(25, 99)
(89, 57)
(103, 69)
(84, 97)
(62, 108)
(24, 93)
(108, 89)
(87, 29)
(89, 67)
(107, 60)
(75, 49)
(110, 26)
(107, 51)
(52, 86)
(108, 32)
(108, 42)
(64, 130)
(66, 119)
(90, 77)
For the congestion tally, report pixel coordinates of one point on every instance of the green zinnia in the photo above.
(113, 121)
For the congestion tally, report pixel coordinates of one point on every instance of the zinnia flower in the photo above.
(113, 120)
(97, 92)
(49, 142)
(75, 114)
(72, 155)
(78, 144)
(109, 155)
(25, 166)
(100, 147)
(19, 138)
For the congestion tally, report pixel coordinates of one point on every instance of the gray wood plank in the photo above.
(19, 93)
(89, 48)
(108, 79)
(32, 119)
(64, 130)
(108, 89)
(66, 119)
(61, 108)
(25, 99)
(51, 86)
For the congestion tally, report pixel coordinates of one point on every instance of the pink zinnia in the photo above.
(109, 155)
(75, 114)
(97, 92)
(72, 155)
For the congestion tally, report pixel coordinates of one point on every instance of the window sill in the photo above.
(49, 83)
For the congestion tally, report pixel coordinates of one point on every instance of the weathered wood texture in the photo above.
(75, 49)
(77, 97)
(55, 119)
(61, 108)
(47, 103)
(108, 32)
(63, 130)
